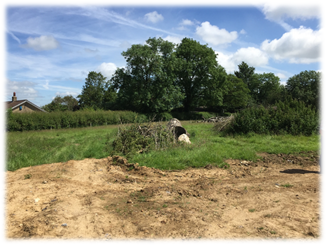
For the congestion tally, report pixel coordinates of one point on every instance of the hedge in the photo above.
(69, 119)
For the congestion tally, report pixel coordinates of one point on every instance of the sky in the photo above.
(50, 49)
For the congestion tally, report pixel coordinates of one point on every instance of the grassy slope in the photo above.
(39, 147)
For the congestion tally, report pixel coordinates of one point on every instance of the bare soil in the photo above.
(276, 197)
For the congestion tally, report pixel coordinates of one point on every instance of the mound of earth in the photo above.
(275, 197)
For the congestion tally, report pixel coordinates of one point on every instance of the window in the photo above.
(20, 108)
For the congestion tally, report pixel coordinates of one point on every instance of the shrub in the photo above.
(292, 117)
(140, 138)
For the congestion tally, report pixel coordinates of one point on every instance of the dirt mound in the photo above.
(275, 197)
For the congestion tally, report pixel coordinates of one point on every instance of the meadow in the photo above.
(32, 148)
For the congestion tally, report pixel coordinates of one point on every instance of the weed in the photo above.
(273, 232)
(27, 176)
(252, 210)
(287, 185)
(165, 206)
(142, 199)
(260, 228)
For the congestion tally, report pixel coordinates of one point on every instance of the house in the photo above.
(22, 106)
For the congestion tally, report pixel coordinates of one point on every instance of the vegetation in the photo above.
(146, 84)
(162, 81)
(66, 103)
(207, 147)
(291, 117)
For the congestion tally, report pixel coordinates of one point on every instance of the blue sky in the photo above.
(51, 49)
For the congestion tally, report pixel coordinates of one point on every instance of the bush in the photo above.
(292, 117)
(140, 138)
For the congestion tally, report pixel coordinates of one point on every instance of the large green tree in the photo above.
(236, 94)
(146, 84)
(60, 103)
(305, 87)
(247, 74)
(270, 89)
(92, 95)
(199, 76)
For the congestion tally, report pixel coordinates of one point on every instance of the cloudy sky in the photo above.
(51, 49)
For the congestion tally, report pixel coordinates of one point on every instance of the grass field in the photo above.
(31, 148)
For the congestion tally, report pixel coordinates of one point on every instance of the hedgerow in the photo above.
(291, 117)
(68, 119)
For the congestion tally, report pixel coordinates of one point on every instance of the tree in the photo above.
(270, 90)
(92, 95)
(146, 84)
(236, 94)
(247, 74)
(305, 87)
(199, 76)
(61, 104)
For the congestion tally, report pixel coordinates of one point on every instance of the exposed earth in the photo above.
(276, 197)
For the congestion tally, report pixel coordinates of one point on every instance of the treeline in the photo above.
(166, 80)
(163, 77)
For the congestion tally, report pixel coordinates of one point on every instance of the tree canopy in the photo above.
(305, 87)
(146, 84)
(161, 76)
(92, 95)
(199, 76)
(59, 103)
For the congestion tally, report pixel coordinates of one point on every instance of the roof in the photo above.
(15, 104)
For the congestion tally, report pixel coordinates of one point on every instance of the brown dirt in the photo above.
(112, 199)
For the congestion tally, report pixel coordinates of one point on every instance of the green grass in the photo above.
(32, 148)
(209, 148)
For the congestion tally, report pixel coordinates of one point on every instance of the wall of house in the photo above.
(25, 108)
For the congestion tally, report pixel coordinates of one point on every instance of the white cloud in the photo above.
(46, 85)
(153, 17)
(281, 76)
(186, 23)
(107, 69)
(63, 94)
(226, 61)
(215, 36)
(42, 43)
(243, 32)
(252, 56)
(279, 13)
(298, 46)
(173, 39)
(24, 90)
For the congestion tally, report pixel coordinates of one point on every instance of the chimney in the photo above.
(14, 98)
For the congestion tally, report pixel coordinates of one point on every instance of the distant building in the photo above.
(22, 106)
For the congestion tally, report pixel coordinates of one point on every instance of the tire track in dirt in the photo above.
(277, 196)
